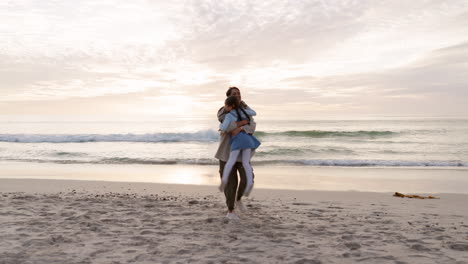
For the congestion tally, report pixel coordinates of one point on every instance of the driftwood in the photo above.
(397, 194)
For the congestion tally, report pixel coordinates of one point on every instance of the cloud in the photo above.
(436, 82)
(336, 56)
(255, 33)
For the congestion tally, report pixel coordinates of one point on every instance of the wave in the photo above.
(324, 133)
(281, 151)
(366, 163)
(317, 163)
(200, 136)
(158, 161)
(121, 160)
(69, 154)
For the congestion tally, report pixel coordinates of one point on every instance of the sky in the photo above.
(150, 60)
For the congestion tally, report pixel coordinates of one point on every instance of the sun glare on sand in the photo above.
(188, 176)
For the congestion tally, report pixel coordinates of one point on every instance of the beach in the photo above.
(69, 221)
(332, 178)
(137, 192)
(117, 119)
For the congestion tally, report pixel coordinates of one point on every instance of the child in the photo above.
(242, 143)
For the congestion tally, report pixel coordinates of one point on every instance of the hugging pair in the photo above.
(236, 149)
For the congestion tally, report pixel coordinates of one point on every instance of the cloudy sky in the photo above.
(109, 59)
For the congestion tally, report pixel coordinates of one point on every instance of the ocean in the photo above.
(386, 142)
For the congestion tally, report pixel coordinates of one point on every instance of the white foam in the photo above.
(211, 161)
(200, 136)
(383, 163)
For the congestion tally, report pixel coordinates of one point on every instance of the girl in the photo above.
(242, 143)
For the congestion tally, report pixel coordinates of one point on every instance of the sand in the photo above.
(64, 221)
(367, 179)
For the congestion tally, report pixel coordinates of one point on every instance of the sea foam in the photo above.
(200, 136)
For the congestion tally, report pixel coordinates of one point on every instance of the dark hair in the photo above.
(229, 91)
(232, 101)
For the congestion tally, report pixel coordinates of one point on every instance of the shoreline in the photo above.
(368, 179)
(56, 186)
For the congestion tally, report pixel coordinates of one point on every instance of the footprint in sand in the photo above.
(347, 237)
(352, 245)
(308, 261)
(459, 246)
(420, 247)
(146, 232)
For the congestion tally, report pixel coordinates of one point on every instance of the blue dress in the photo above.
(244, 141)
(241, 140)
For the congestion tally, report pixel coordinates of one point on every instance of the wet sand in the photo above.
(367, 179)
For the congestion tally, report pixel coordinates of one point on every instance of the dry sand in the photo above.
(58, 221)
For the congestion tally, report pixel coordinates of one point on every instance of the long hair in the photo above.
(232, 101)
(229, 91)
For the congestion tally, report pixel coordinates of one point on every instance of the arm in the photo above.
(228, 123)
(246, 125)
(250, 128)
(233, 125)
(250, 111)
(221, 114)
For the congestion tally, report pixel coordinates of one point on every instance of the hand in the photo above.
(242, 123)
(236, 131)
